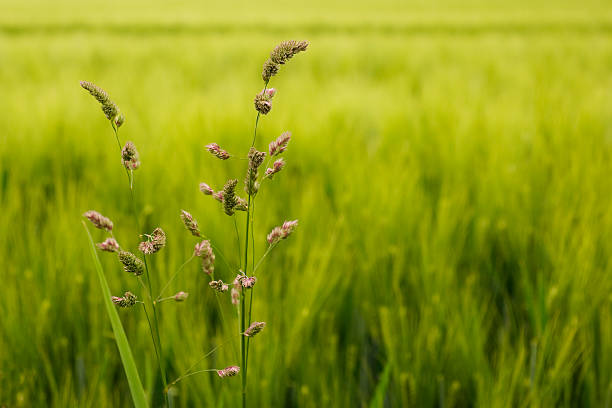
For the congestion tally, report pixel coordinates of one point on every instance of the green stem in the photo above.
(173, 276)
(246, 267)
(263, 257)
(238, 240)
(158, 347)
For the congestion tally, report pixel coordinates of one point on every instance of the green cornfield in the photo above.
(450, 167)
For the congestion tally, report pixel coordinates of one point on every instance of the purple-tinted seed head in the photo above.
(230, 371)
(276, 167)
(280, 144)
(254, 328)
(205, 188)
(109, 245)
(129, 156)
(190, 223)
(181, 296)
(204, 250)
(281, 232)
(98, 220)
(217, 151)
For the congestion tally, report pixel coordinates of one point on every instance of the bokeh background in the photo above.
(450, 167)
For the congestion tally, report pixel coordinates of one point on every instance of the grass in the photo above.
(450, 168)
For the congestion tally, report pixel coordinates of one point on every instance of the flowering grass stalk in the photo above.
(153, 243)
(231, 203)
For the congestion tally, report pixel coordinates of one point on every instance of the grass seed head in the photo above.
(276, 167)
(154, 242)
(219, 286)
(127, 300)
(215, 150)
(129, 156)
(181, 296)
(286, 50)
(280, 144)
(204, 250)
(230, 371)
(205, 189)
(110, 109)
(256, 158)
(190, 223)
(254, 328)
(281, 232)
(263, 101)
(98, 220)
(109, 245)
(131, 263)
(270, 68)
(229, 196)
(241, 204)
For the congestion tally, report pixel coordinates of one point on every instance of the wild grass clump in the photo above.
(232, 204)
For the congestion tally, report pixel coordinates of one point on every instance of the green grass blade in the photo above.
(138, 394)
(381, 389)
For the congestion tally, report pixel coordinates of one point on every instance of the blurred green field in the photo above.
(450, 167)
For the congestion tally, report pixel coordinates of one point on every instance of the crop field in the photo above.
(450, 167)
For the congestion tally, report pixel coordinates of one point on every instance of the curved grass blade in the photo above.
(138, 394)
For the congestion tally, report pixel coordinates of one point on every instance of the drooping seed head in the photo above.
(205, 188)
(190, 223)
(110, 109)
(131, 263)
(276, 167)
(129, 156)
(281, 232)
(229, 196)
(280, 144)
(98, 220)
(254, 328)
(109, 245)
(230, 371)
(286, 50)
(204, 250)
(217, 151)
(181, 296)
(127, 300)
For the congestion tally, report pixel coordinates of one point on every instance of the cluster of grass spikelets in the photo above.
(231, 202)
(152, 243)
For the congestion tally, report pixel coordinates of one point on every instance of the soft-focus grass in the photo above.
(451, 169)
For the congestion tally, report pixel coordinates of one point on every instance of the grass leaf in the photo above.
(138, 394)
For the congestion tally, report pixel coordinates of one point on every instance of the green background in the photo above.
(450, 167)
